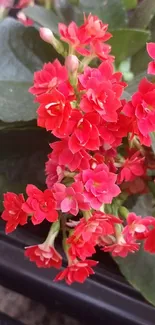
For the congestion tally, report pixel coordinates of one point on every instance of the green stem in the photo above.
(87, 214)
(123, 212)
(48, 4)
(53, 232)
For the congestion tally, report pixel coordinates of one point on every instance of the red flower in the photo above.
(102, 50)
(51, 76)
(62, 155)
(86, 38)
(137, 227)
(149, 245)
(132, 167)
(112, 133)
(138, 185)
(77, 272)
(85, 134)
(101, 98)
(13, 213)
(105, 72)
(122, 247)
(40, 204)
(54, 172)
(94, 29)
(142, 110)
(87, 232)
(54, 113)
(44, 256)
(70, 199)
(151, 52)
(24, 20)
(99, 186)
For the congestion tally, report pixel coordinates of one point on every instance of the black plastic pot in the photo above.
(104, 297)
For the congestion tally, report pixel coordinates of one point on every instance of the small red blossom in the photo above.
(142, 110)
(101, 98)
(77, 272)
(51, 76)
(89, 38)
(13, 213)
(138, 185)
(54, 172)
(54, 113)
(94, 29)
(24, 20)
(122, 247)
(70, 199)
(105, 72)
(86, 234)
(44, 256)
(103, 91)
(99, 186)
(137, 227)
(132, 167)
(85, 134)
(63, 156)
(41, 205)
(112, 134)
(151, 52)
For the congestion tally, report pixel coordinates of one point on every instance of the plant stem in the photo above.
(48, 4)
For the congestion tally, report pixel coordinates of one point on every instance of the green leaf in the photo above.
(133, 85)
(111, 11)
(140, 61)
(22, 159)
(126, 42)
(143, 14)
(22, 52)
(139, 268)
(130, 4)
(43, 17)
(126, 95)
(65, 10)
(16, 104)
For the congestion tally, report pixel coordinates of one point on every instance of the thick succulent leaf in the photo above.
(126, 42)
(143, 14)
(139, 268)
(16, 104)
(65, 11)
(133, 85)
(130, 4)
(111, 11)
(22, 52)
(140, 61)
(43, 17)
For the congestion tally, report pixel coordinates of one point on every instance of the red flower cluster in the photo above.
(98, 160)
(88, 39)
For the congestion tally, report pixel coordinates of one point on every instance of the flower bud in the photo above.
(72, 63)
(47, 35)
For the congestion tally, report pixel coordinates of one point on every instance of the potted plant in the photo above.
(102, 161)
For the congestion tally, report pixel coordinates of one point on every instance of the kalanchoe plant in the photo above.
(101, 156)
